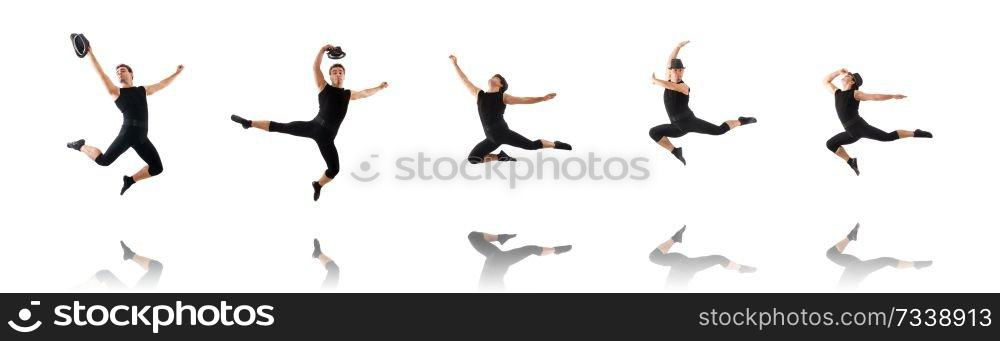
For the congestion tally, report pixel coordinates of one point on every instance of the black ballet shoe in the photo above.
(502, 156)
(679, 235)
(562, 145)
(746, 269)
(316, 188)
(922, 264)
(127, 182)
(679, 155)
(853, 235)
(747, 120)
(921, 133)
(853, 162)
(242, 121)
(316, 250)
(563, 249)
(127, 252)
(76, 145)
(503, 238)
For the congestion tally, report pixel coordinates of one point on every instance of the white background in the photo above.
(233, 210)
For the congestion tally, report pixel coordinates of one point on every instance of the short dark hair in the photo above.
(341, 66)
(129, 68)
(503, 82)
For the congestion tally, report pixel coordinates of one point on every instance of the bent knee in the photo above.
(832, 146)
(332, 172)
(102, 161)
(155, 266)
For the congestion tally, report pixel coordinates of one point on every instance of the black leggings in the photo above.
(135, 138)
(316, 132)
(683, 268)
(856, 132)
(332, 275)
(148, 281)
(857, 266)
(855, 269)
(511, 256)
(688, 125)
(678, 261)
(498, 261)
(498, 136)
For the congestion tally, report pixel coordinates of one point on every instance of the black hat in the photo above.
(80, 44)
(857, 80)
(336, 53)
(676, 64)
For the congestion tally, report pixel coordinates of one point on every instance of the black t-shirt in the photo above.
(847, 107)
(677, 104)
(491, 108)
(333, 103)
(132, 103)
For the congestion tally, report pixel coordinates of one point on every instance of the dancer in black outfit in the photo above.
(847, 102)
(855, 269)
(491, 106)
(131, 101)
(332, 270)
(676, 95)
(683, 268)
(148, 281)
(333, 101)
(499, 261)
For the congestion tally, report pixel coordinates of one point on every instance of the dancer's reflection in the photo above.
(499, 261)
(332, 270)
(148, 281)
(683, 268)
(855, 269)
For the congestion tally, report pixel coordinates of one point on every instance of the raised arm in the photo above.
(317, 64)
(828, 80)
(508, 99)
(861, 96)
(677, 50)
(368, 92)
(465, 79)
(112, 89)
(679, 87)
(152, 89)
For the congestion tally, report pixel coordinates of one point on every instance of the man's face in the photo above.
(337, 75)
(124, 76)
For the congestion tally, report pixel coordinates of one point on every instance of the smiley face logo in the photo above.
(25, 315)
(365, 167)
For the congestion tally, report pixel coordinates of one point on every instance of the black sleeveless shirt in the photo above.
(132, 103)
(491, 109)
(333, 103)
(847, 107)
(677, 104)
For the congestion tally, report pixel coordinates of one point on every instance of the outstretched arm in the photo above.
(112, 89)
(152, 89)
(368, 92)
(861, 96)
(679, 87)
(317, 71)
(677, 50)
(465, 79)
(508, 99)
(828, 80)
